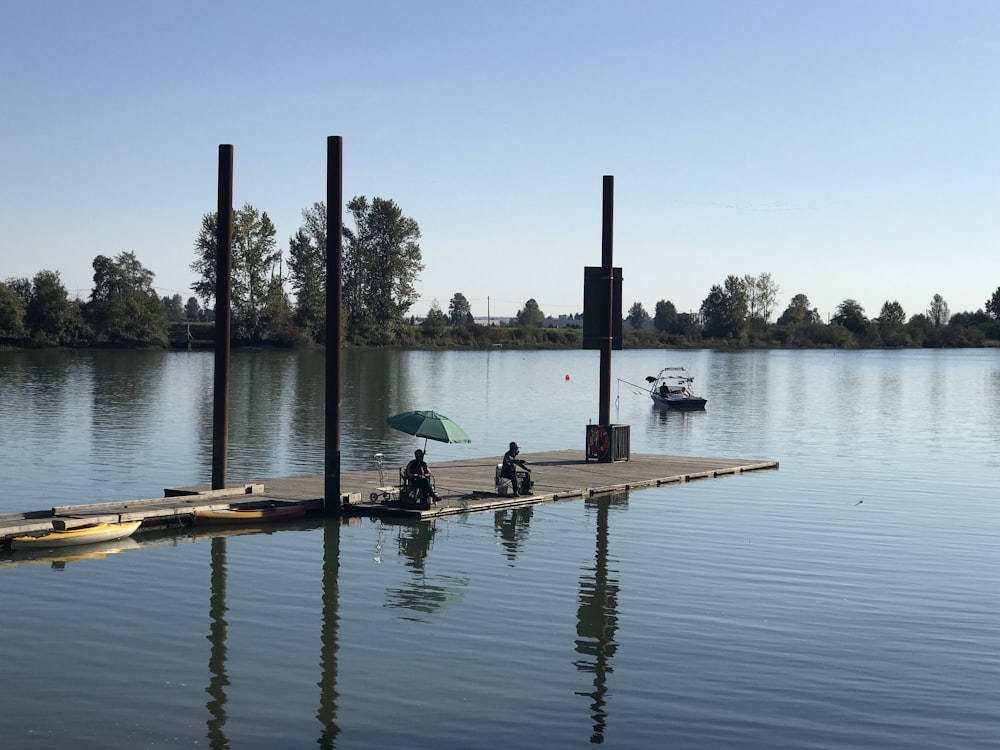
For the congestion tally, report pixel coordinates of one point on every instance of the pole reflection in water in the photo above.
(217, 655)
(512, 526)
(597, 620)
(328, 694)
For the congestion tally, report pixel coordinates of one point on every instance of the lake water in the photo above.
(847, 600)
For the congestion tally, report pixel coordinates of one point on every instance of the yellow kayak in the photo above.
(90, 534)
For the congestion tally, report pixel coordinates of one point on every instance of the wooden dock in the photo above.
(465, 486)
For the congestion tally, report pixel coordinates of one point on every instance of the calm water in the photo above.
(847, 600)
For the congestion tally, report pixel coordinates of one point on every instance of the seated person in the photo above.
(419, 476)
(508, 469)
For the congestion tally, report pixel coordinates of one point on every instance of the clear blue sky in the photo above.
(848, 147)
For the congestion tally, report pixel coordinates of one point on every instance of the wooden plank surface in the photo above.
(465, 486)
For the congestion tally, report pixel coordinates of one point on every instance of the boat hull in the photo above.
(689, 403)
(93, 534)
(250, 515)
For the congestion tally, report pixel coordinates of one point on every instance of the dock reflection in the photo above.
(596, 627)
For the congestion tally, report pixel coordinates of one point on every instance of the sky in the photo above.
(850, 148)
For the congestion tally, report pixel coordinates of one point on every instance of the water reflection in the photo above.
(330, 638)
(219, 680)
(57, 558)
(597, 619)
(511, 525)
(329, 642)
(414, 541)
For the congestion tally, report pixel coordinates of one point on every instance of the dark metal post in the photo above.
(607, 234)
(334, 303)
(223, 317)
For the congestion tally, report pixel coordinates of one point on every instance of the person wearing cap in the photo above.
(508, 469)
(420, 477)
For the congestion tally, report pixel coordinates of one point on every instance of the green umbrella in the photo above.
(429, 425)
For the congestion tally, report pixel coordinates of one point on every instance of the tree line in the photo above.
(274, 303)
(740, 312)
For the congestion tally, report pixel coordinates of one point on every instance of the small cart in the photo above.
(383, 492)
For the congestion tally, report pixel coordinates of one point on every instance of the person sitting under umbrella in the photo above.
(420, 477)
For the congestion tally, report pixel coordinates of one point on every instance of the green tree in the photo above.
(307, 270)
(637, 316)
(993, 304)
(799, 313)
(891, 323)
(381, 262)
(724, 311)
(762, 296)
(938, 313)
(891, 316)
(277, 323)
(688, 325)
(204, 264)
(11, 314)
(530, 315)
(192, 310)
(124, 308)
(435, 324)
(50, 316)
(21, 286)
(665, 317)
(255, 260)
(851, 315)
(174, 306)
(459, 310)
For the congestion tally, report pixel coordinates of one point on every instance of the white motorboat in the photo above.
(672, 388)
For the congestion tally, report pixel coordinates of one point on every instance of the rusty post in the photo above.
(223, 317)
(334, 304)
(607, 234)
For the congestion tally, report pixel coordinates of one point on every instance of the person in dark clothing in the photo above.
(420, 477)
(508, 469)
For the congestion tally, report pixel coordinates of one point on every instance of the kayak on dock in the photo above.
(93, 533)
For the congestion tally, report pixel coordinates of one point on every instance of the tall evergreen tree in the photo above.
(459, 310)
(938, 312)
(255, 263)
(307, 270)
(993, 304)
(381, 263)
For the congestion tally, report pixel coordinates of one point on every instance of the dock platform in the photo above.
(465, 486)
